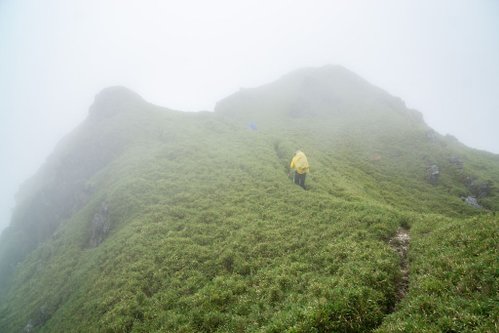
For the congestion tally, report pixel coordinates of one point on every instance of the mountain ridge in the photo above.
(325, 89)
(143, 211)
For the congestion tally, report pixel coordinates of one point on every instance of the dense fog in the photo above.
(55, 56)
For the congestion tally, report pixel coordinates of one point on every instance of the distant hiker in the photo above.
(252, 126)
(300, 164)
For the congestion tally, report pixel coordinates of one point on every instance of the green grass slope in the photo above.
(151, 220)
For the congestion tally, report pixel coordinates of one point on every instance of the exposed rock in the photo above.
(484, 189)
(28, 328)
(415, 115)
(431, 135)
(457, 162)
(100, 225)
(478, 189)
(432, 174)
(472, 201)
(40, 317)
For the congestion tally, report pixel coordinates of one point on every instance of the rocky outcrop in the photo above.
(472, 201)
(478, 189)
(457, 162)
(432, 174)
(39, 318)
(100, 226)
(431, 135)
(28, 328)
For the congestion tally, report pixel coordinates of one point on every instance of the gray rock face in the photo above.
(40, 317)
(484, 189)
(457, 162)
(477, 188)
(472, 201)
(432, 174)
(28, 328)
(100, 225)
(431, 135)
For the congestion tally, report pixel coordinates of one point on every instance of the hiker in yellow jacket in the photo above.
(300, 164)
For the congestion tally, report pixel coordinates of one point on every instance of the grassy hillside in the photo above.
(151, 220)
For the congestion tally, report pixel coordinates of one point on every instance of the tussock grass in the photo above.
(207, 233)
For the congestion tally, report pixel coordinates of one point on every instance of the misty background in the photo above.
(440, 57)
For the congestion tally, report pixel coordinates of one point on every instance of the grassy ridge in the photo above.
(207, 233)
(222, 222)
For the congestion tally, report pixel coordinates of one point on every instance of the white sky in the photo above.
(441, 57)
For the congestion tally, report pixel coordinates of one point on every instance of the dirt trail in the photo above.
(400, 243)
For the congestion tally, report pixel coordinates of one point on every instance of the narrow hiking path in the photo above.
(400, 243)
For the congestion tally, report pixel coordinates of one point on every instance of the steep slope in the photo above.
(62, 187)
(150, 220)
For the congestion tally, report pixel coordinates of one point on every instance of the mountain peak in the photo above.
(114, 100)
(324, 71)
(313, 92)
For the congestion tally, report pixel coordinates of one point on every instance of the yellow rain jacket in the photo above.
(299, 163)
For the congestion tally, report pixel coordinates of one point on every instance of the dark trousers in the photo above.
(300, 179)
